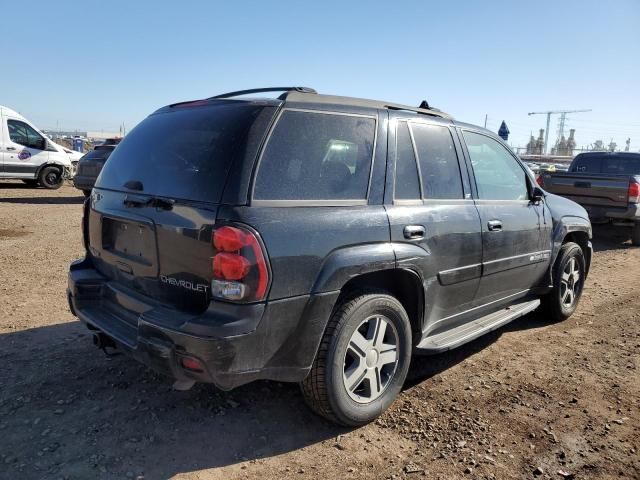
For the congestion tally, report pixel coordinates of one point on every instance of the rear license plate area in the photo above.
(131, 240)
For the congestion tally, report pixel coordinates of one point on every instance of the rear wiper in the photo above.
(162, 203)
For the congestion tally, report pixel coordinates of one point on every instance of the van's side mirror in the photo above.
(537, 195)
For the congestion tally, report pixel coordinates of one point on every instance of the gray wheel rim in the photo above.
(570, 283)
(371, 359)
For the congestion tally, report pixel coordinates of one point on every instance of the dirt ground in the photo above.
(532, 400)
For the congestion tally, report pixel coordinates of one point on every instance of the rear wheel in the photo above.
(635, 235)
(568, 282)
(362, 361)
(51, 178)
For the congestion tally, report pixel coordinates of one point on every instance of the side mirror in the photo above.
(537, 194)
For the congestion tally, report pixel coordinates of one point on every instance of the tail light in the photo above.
(540, 180)
(240, 270)
(634, 192)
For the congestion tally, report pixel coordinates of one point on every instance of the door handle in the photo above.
(414, 232)
(494, 225)
(11, 148)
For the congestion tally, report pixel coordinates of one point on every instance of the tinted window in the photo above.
(23, 134)
(587, 163)
(498, 175)
(183, 153)
(619, 165)
(316, 156)
(438, 161)
(407, 183)
(98, 154)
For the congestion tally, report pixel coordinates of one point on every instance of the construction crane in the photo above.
(563, 117)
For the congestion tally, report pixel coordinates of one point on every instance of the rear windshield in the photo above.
(610, 164)
(98, 154)
(183, 153)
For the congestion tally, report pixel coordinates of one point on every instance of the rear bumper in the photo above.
(236, 343)
(83, 182)
(630, 213)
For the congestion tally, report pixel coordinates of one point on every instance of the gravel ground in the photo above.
(532, 400)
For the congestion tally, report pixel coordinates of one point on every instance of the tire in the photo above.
(635, 235)
(30, 182)
(563, 300)
(340, 359)
(51, 178)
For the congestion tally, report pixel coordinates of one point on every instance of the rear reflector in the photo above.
(193, 364)
(634, 192)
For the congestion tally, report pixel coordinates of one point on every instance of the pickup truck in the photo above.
(606, 184)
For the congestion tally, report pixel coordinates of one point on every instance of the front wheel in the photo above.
(362, 361)
(568, 282)
(51, 178)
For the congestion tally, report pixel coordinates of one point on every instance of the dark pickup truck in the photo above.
(606, 184)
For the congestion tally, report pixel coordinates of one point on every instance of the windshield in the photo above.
(182, 153)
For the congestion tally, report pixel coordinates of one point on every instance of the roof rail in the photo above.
(434, 112)
(263, 90)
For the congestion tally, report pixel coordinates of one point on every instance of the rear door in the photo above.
(25, 149)
(430, 208)
(516, 239)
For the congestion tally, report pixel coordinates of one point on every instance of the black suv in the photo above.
(90, 165)
(317, 239)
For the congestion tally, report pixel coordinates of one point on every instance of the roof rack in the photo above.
(434, 112)
(263, 90)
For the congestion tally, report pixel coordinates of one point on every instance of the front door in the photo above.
(25, 150)
(515, 231)
(435, 227)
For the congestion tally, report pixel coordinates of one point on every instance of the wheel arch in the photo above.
(403, 284)
(570, 229)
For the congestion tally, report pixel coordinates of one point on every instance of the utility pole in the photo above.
(563, 116)
(485, 120)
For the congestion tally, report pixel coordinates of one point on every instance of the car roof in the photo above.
(309, 96)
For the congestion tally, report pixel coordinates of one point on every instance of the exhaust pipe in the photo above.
(102, 341)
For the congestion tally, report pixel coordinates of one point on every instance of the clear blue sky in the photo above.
(94, 65)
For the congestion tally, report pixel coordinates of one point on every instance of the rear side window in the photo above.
(439, 168)
(316, 156)
(407, 183)
(183, 153)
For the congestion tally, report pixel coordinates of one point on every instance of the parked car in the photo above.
(28, 155)
(317, 239)
(91, 164)
(606, 184)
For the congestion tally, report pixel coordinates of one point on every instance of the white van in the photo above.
(27, 154)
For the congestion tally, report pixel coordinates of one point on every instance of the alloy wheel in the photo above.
(570, 283)
(371, 359)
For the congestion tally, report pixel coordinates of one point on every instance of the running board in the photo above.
(466, 332)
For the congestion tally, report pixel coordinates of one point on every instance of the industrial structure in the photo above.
(561, 124)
